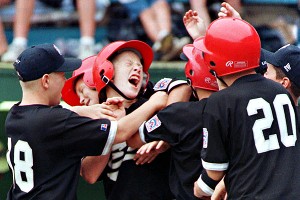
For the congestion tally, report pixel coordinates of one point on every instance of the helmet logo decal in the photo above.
(240, 64)
(229, 63)
(207, 80)
(236, 64)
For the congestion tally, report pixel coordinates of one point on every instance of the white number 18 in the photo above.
(22, 164)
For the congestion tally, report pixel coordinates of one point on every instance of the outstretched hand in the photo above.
(220, 192)
(149, 151)
(227, 10)
(194, 25)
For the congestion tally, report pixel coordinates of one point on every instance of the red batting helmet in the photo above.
(230, 45)
(197, 71)
(68, 92)
(103, 69)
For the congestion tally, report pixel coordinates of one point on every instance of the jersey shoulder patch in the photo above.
(152, 123)
(162, 84)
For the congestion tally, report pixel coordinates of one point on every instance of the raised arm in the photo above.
(129, 125)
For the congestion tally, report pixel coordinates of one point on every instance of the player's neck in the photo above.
(31, 98)
(201, 93)
(229, 79)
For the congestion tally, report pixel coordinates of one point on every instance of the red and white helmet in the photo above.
(230, 45)
(197, 71)
(103, 70)
(68, 92)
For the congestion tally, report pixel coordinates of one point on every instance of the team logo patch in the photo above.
(205, 137)
(162, 84)
(153, 123)
(103, 127)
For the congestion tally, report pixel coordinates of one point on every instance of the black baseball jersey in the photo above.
(125, 180)
(45, 148)
(180, 125)
(250, 131)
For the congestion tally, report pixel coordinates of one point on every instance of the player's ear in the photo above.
(286, 82)
(45, 80)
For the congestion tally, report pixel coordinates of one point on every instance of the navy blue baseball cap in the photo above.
(262, 63)
(287, 58)
(42, 59)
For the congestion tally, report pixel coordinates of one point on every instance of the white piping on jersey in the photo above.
(215, 166)
(204, 187)
(111, 137)
(141, 132)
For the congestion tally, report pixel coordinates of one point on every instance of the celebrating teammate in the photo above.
(250, 130)
(283, 67)
(47, 142)
(180, 125)
(121, 70)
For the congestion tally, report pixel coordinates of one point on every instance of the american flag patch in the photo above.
(103, 127)
(162, 84)
(205, 137)
(152, 123)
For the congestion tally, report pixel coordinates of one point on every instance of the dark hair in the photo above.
(295, 90)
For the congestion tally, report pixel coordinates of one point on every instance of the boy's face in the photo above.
(128, 73)
(271, 73)
(87, 96)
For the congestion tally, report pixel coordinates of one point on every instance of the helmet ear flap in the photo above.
(102, 74)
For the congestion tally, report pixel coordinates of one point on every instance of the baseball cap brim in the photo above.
(270, 57)
(262, 63)
(70, 64)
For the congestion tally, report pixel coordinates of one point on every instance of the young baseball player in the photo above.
(47, 142)
(180, 125)
(283, 67)
(284, 71)
(121, 70)
(80, 90)
(250, 130)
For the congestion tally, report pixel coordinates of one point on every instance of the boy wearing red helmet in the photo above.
(180, 125)
(250, 131)
(119, 71)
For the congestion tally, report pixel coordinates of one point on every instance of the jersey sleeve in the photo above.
(85, 136)
(171, 124)
(214, 151)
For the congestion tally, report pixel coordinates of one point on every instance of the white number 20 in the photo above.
(263, 145)
(23, 164)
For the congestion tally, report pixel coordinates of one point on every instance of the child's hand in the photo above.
(227, 10)
(194, 24)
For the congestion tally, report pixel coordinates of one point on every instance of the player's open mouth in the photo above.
(134, 80)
